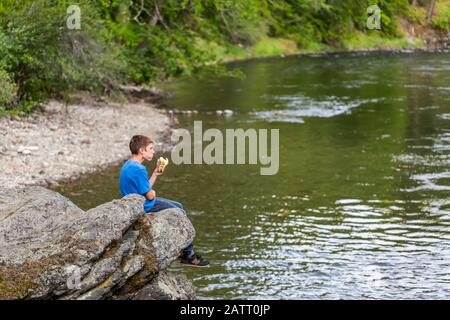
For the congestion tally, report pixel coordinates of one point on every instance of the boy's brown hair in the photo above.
(138, 142)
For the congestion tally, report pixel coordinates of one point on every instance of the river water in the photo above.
(360, 206)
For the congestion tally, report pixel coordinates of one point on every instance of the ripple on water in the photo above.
(296, 107)
(430, 181)
(355, 249)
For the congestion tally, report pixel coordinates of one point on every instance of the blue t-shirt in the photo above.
(134, 179)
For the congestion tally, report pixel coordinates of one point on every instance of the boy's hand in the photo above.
(160, 165)
(150, 195)
(156, 172)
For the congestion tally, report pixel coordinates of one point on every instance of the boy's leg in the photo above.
(188, 252)
(162, 204)
(177, 205)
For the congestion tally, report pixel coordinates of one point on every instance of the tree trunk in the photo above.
(431, 10)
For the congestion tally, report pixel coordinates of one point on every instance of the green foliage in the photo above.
(274, 47)
(142, 41)
(442, 19)
(46, 59)
(240, 21)
(374, 41)
(7, 91)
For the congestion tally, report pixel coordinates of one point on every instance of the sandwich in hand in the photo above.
(162, 163)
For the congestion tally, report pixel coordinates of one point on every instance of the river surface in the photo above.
(360, 206)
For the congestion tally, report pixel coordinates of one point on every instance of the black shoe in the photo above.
(195, 261)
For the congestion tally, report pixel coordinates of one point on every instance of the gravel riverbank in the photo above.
(61, 143)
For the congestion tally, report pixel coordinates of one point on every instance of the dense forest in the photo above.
(143, 41)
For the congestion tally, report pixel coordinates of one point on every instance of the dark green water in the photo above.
(360, 207)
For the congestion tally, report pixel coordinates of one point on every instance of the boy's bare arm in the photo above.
(155, 175)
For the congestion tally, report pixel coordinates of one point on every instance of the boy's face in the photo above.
(147, 153)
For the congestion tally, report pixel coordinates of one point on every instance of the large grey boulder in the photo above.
(49, 248)
(166, 286)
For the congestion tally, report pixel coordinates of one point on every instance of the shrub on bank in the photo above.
(442, 19)
(46, 59)
(7, 92)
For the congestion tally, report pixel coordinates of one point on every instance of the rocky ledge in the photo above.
(51, 249)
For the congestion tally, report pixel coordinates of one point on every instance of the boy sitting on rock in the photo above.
(134, 180)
